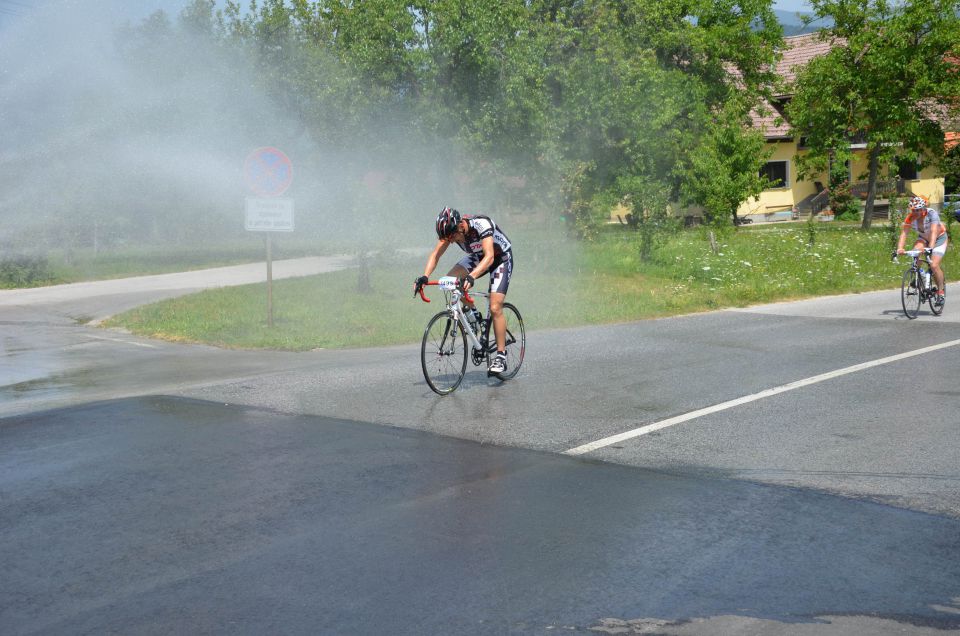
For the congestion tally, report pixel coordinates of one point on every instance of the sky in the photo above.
(134, 10)
(794, 6)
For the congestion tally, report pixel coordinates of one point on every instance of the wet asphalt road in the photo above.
(212, 491)
(165, 515)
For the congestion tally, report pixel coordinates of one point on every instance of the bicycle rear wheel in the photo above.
(910, 293)
(516, 341)
(934, 307)
(443, 353)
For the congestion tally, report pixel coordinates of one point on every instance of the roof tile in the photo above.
(798, 51)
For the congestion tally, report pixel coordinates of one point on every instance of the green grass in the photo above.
(556, 283)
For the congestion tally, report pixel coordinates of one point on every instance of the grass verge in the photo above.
(556, 283)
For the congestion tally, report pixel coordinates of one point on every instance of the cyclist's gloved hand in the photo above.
(418, 284)
(466, 282)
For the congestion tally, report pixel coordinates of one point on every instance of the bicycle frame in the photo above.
(455, 295)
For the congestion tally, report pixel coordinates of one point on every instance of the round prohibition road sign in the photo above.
(268, 172)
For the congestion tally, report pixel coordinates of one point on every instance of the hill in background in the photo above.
(793, 25)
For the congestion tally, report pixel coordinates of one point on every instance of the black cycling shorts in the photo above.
(500, 273)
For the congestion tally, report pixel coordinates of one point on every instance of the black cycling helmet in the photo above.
(447, 222)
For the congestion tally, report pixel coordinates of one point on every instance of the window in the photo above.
(778, 174)
(907, 169)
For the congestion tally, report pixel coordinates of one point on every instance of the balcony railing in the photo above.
(885, 188)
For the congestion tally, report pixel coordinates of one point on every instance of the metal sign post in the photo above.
(269, 282)
(268, 173)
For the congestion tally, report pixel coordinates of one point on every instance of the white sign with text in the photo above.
(269, 215)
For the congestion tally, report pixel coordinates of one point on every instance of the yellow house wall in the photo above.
(780, 199)
(929, 184)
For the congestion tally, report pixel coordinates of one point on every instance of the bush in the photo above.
(845, 206)
(810, 228)
(25, 271)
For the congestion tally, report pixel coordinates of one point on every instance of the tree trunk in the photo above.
(871, 188)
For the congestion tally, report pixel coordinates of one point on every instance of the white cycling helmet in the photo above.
(918, 203)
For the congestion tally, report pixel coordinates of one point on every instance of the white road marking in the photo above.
(686, 417)
(129, 342)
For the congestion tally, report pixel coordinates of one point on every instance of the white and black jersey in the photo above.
(501, 270)
(480, 227)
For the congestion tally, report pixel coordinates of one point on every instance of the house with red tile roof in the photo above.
(789, 197)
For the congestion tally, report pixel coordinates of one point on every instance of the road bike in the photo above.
(918, 284)
(444, 351)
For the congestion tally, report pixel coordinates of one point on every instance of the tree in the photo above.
(725, 171)
(888, 82)
(646, 86)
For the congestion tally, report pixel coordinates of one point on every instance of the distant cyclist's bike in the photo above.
(918, 286)
(444, 351)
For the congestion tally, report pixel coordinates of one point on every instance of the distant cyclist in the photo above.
(931, 233)
(488, 252)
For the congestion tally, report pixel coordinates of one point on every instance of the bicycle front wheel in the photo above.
(516, 341)
(935, 307)
(910, 293)
(443, 353)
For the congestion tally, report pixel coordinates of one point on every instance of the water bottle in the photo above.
(473, 317)
(926, 279)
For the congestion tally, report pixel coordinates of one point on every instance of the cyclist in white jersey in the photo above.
(931, 233)
(488, 252)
